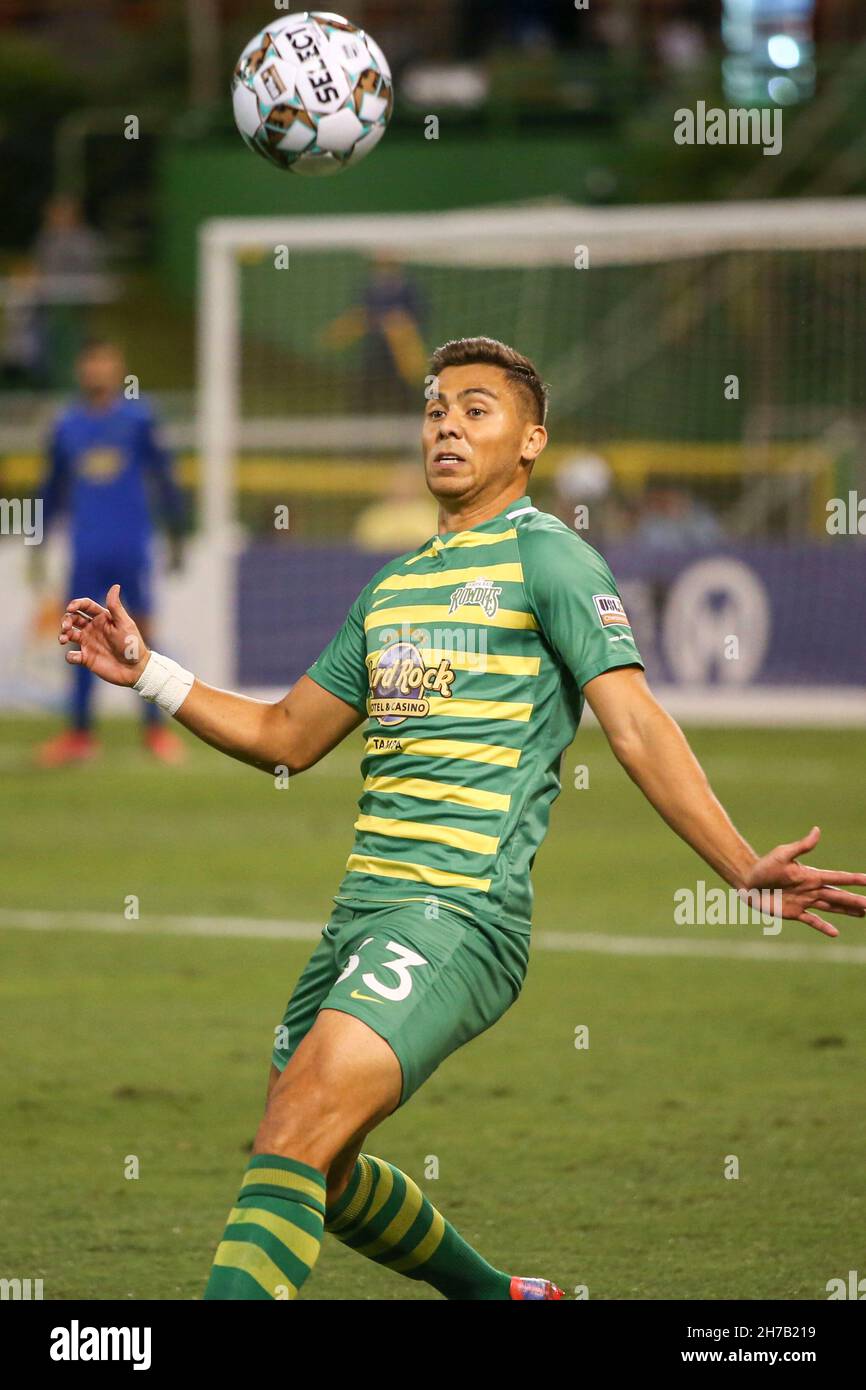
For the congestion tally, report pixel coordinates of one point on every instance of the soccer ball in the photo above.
(312, 93)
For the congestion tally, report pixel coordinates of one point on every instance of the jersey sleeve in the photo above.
(159, 464)
(577, 604)
(342, 666)
(55, 483)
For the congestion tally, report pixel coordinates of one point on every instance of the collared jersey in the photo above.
(468, 657)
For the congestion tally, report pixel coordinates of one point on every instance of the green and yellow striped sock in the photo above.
(274, 1234)
(384, 1215)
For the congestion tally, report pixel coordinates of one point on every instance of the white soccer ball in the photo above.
(312, 93)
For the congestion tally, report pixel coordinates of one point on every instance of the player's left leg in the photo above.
(77, 743)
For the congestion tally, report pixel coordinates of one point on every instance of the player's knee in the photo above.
(302, 1123)
(306, 1143)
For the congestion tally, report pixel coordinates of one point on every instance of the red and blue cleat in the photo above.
(534, 1288)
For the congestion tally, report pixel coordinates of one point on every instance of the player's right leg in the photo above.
(340, 1082)
(77, 743)
(340, 1171)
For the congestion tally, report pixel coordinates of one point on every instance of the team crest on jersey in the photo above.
(610, 610)
(482, 593)
(100, 465)
(400, 681)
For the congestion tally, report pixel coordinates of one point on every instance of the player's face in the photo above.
(475, 434)
(100, 372)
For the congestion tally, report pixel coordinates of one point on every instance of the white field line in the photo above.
(163, 926)
(827, 952)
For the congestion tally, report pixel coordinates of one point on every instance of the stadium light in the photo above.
(764, 38)
(784, 51)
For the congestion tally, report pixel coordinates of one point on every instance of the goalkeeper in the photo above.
(109, 470)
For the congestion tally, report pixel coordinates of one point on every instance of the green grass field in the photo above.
(601, 1167)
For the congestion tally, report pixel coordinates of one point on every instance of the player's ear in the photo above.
(535, 440)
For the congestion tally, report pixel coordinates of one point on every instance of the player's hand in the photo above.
(806, 892)
(109, 643)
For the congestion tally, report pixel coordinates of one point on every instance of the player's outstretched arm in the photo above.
(653, 749)
(293, 733)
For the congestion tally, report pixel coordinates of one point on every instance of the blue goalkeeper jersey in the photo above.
(110, 471)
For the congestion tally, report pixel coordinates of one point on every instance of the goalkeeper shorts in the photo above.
(93, 576)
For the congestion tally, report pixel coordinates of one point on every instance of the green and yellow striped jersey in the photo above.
(468, 657)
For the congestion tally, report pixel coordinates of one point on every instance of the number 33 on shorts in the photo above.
(402, 963)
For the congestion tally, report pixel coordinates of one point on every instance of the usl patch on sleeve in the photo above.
(610, 610)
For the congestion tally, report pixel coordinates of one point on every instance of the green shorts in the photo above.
(426, 986)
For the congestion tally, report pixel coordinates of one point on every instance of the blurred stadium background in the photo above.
(702, 267)
(706, 359)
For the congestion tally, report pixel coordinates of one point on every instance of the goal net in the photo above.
(706, 425)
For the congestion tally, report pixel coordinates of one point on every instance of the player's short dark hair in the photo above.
(523, 375)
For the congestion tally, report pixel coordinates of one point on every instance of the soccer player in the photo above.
(470, 661)
(107, 466)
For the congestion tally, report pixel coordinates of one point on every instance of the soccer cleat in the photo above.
(534, 1288)
(73, 746)
(164, 745)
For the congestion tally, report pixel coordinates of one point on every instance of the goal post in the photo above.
(218, 436)
(707, 357)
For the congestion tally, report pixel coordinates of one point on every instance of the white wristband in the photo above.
(164, 682)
